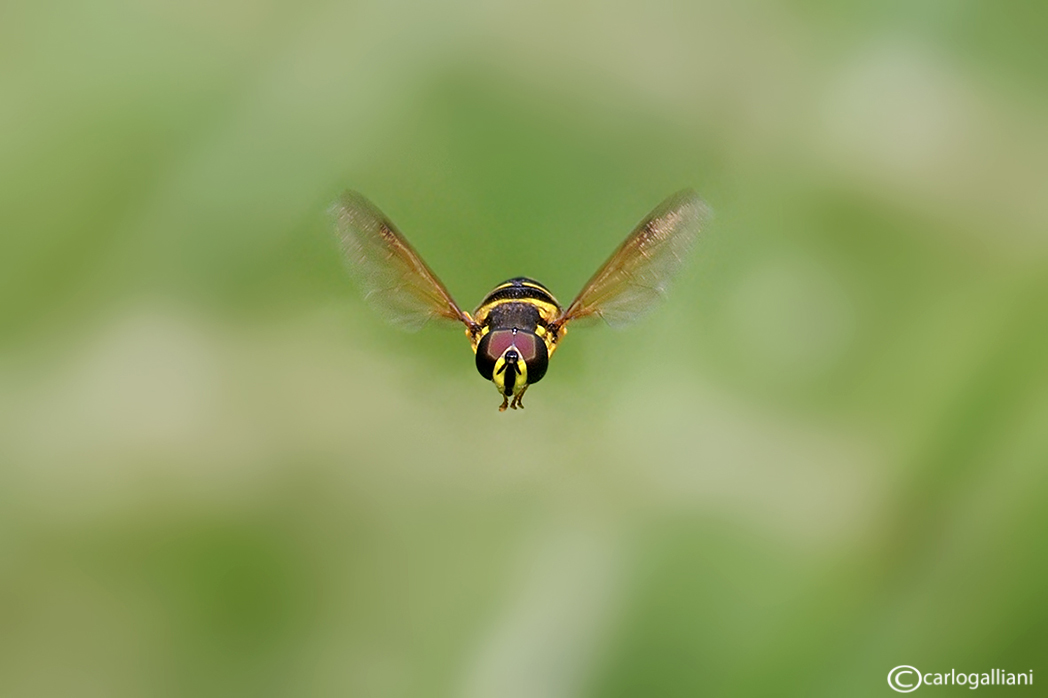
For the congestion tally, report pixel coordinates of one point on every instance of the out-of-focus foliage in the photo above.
(823, 457)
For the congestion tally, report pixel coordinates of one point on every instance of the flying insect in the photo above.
(519, 324)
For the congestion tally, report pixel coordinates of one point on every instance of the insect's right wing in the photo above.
(637, 274)
(394, 278)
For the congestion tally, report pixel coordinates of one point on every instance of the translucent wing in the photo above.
(394, 278)
(637, 275)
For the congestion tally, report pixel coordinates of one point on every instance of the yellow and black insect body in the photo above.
(514, 342)
(516, 328)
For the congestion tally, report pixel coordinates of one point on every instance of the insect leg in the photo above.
(518, 400)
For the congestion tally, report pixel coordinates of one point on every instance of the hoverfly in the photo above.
(517, 327)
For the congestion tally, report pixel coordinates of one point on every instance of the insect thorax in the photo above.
(520, 302)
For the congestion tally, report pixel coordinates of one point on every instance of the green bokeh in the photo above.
(823, 457)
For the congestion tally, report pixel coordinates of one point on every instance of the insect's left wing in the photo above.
(637, 274)
(394, 278)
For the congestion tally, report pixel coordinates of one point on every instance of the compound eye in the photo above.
(485, 359)
(536, 357)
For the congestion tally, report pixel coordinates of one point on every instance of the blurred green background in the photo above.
(824, 456)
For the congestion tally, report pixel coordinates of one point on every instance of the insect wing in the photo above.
(637, 275)
(394, 278)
